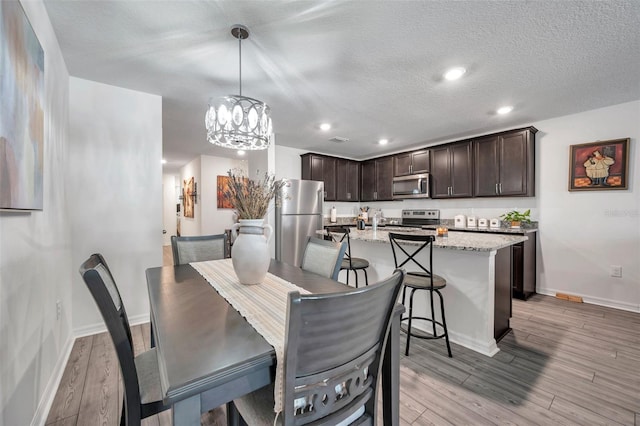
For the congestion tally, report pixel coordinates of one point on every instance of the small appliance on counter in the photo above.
(494, 223)
(460, 221)
(472, 222)
(483, 223)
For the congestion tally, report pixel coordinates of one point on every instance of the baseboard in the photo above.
(42, 411)
(100, 327)
(485, 349)
(631, 307)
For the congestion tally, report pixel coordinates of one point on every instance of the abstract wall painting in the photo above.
(597, 166)
(223, 187)
(188, 191)
(21, 111)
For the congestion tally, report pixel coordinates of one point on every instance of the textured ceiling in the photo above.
(371, 68)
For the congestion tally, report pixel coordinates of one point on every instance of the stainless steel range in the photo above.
(420, 218)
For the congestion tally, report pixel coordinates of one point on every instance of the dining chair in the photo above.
(334, 344)
(140, 374)
(421, 278)
(349, 263)
(198, 249)
(323, 257)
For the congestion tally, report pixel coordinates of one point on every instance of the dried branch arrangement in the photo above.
(249, 197)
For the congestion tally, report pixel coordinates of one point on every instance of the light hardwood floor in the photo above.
(563, 364)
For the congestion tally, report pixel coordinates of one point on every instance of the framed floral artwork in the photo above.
(597, 166)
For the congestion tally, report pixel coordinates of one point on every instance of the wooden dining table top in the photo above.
(202, 340)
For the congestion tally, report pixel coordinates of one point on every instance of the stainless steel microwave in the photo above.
(412, 186)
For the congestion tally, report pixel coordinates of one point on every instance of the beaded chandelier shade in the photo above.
(236, 121)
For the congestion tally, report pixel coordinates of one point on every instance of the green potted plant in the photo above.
(515, 219)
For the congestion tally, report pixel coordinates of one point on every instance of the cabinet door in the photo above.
(353, 181)
(384, 178)
(440, 172)
(461, 170)
(316, 168)
(347, 180)
(513, 163)
(329, 178)
(368, 180)
(342, 179)
(486, 167)
(420, 162)
(402, 164)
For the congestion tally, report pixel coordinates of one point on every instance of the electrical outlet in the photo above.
(616, 271)
(58, 309)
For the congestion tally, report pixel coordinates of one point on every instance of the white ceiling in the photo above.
(371, 68)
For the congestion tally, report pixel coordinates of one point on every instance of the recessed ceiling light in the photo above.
(164, 161)
(325, 126)
(383, 141)
(241, 152)
(454, 73)
(504, 110)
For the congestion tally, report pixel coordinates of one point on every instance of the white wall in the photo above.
(114, 178)
(169, 201)
(213, 219)
(287, 162)
(191, 226)
(35, 260)
(583, 233)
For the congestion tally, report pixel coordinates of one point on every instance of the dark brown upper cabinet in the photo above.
(322, 168)
(410, 163)
(505, 163)
(347, 180)
(377, 179)
(452, 170)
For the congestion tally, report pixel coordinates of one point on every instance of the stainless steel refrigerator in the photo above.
(299, 208)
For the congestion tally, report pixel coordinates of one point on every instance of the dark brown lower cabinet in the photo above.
(502, 302)
(523, 274)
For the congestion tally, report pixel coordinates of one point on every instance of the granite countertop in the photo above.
(350, 221)
(469, 241)
(501, 230)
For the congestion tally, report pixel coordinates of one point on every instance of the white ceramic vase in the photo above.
(250, 252)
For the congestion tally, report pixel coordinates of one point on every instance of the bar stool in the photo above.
(349, 263)
(420, 280)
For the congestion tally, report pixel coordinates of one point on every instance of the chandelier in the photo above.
(236, 121)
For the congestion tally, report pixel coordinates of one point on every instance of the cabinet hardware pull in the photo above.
(497, 191)
(500, 185)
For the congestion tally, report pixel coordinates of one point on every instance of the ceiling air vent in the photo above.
(338, 139)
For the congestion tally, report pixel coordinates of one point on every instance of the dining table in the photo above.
(208, 354)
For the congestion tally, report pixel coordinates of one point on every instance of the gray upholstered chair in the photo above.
(349, 263)
(420, 277)
(323, 257)
(140, 374)
(198, 249)
(333, 350)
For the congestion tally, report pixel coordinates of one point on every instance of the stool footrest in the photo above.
(420, 336)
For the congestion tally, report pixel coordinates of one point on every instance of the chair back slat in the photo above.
(102, 286)
(323, 257)
(343, 234)
(404, 258)
(333, 351)
(198, 249)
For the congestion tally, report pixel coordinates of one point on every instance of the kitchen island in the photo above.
(477, 268)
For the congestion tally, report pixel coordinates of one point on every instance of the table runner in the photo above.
(264, 306)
